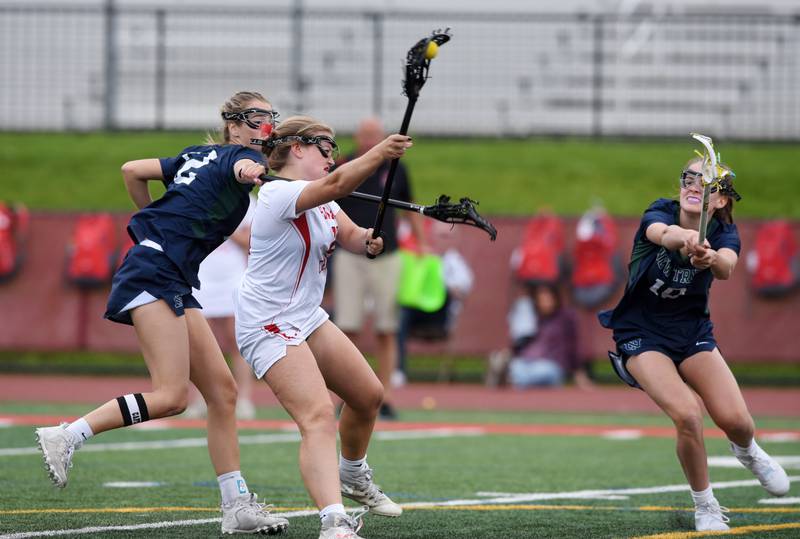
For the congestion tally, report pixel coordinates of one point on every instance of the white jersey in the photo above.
(221, 272)
(281, 291)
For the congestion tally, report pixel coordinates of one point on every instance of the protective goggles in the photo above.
(254, 117)
(723, 185)
(326, 145)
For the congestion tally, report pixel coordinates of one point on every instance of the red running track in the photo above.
(777, 402)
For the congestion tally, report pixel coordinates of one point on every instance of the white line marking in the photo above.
(779, 437)
(789, 462)
(256, 439)
(133, 484)
(148, 526)
(779, 501)
(622, 434)
(503, 499)
(509, 498)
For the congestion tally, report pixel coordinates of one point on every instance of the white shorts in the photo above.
(262, 347)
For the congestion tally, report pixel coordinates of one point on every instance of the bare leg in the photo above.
(224, 331)
(386, 354)
(659, 377)
(300, 388)
(347, 374)
(211, 375)
(163, 338)
(709, 375)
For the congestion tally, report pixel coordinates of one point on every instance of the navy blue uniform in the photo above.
(202, 206)
(665, 305)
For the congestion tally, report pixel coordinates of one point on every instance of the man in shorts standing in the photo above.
(359, 282)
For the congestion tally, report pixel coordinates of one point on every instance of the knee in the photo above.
(318, 419)
(689, 422)
(369, 399)
(737, 426)
(173, 400)
(223, 393)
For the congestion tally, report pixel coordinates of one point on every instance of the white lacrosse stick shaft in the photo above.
(709, 173)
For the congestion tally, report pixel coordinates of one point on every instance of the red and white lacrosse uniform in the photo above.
(278, 300)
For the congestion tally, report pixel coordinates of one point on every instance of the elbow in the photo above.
(128, 171)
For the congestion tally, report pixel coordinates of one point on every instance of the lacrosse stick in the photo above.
(418, 61)
(712, 173)
(461, 213)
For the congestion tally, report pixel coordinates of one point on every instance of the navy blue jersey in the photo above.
(665, 294)
(202, 206)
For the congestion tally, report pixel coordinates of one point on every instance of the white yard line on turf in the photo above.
(510, 498)
(135, 527)
(503, 498)
(255, 439)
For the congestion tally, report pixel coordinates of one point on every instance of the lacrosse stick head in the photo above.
(418, 61)
(463, 212)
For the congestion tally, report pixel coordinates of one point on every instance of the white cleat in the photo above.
(768, 472)
(710, 517)
(340, 526)
(246, 515)
(57, 447)
(362, 489)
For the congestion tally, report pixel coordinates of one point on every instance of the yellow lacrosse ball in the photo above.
(432, 50)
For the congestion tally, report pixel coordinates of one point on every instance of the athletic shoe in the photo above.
(769, 473)
(245, 409)
(341, 526)
(360, 488)
(246, 515)
(710, 517)
(57, 447)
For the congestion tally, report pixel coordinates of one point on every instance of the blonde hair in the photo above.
(278, 155)
(236, 103)
(724, 214)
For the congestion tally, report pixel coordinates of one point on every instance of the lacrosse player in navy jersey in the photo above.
(665, 340)
(208, 194)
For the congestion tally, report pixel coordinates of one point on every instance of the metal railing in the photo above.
(107, 66)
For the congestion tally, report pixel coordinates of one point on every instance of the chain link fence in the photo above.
(107, 66)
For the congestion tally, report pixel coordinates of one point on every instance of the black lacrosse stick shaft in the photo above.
(387, 188)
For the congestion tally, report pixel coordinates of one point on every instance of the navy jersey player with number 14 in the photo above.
(208, 194)
(665, 340)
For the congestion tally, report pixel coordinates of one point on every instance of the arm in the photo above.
(354, 238)
(344, 179)
(672, 237)
(721, 262)
(248, 171)
(136, 174)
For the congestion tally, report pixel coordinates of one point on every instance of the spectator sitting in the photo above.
(549, 356)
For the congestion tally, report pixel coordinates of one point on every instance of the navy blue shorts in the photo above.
(147, 275)
(632, 343)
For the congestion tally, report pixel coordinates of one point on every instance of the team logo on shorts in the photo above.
(178, 301)
(632, 346)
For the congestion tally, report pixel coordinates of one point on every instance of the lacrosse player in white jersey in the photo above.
(284, 334)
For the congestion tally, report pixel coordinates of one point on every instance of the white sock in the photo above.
(748, 451)
(80, 430)
(231, 486)
(332, 508)
(702, 497)
(352, 466)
